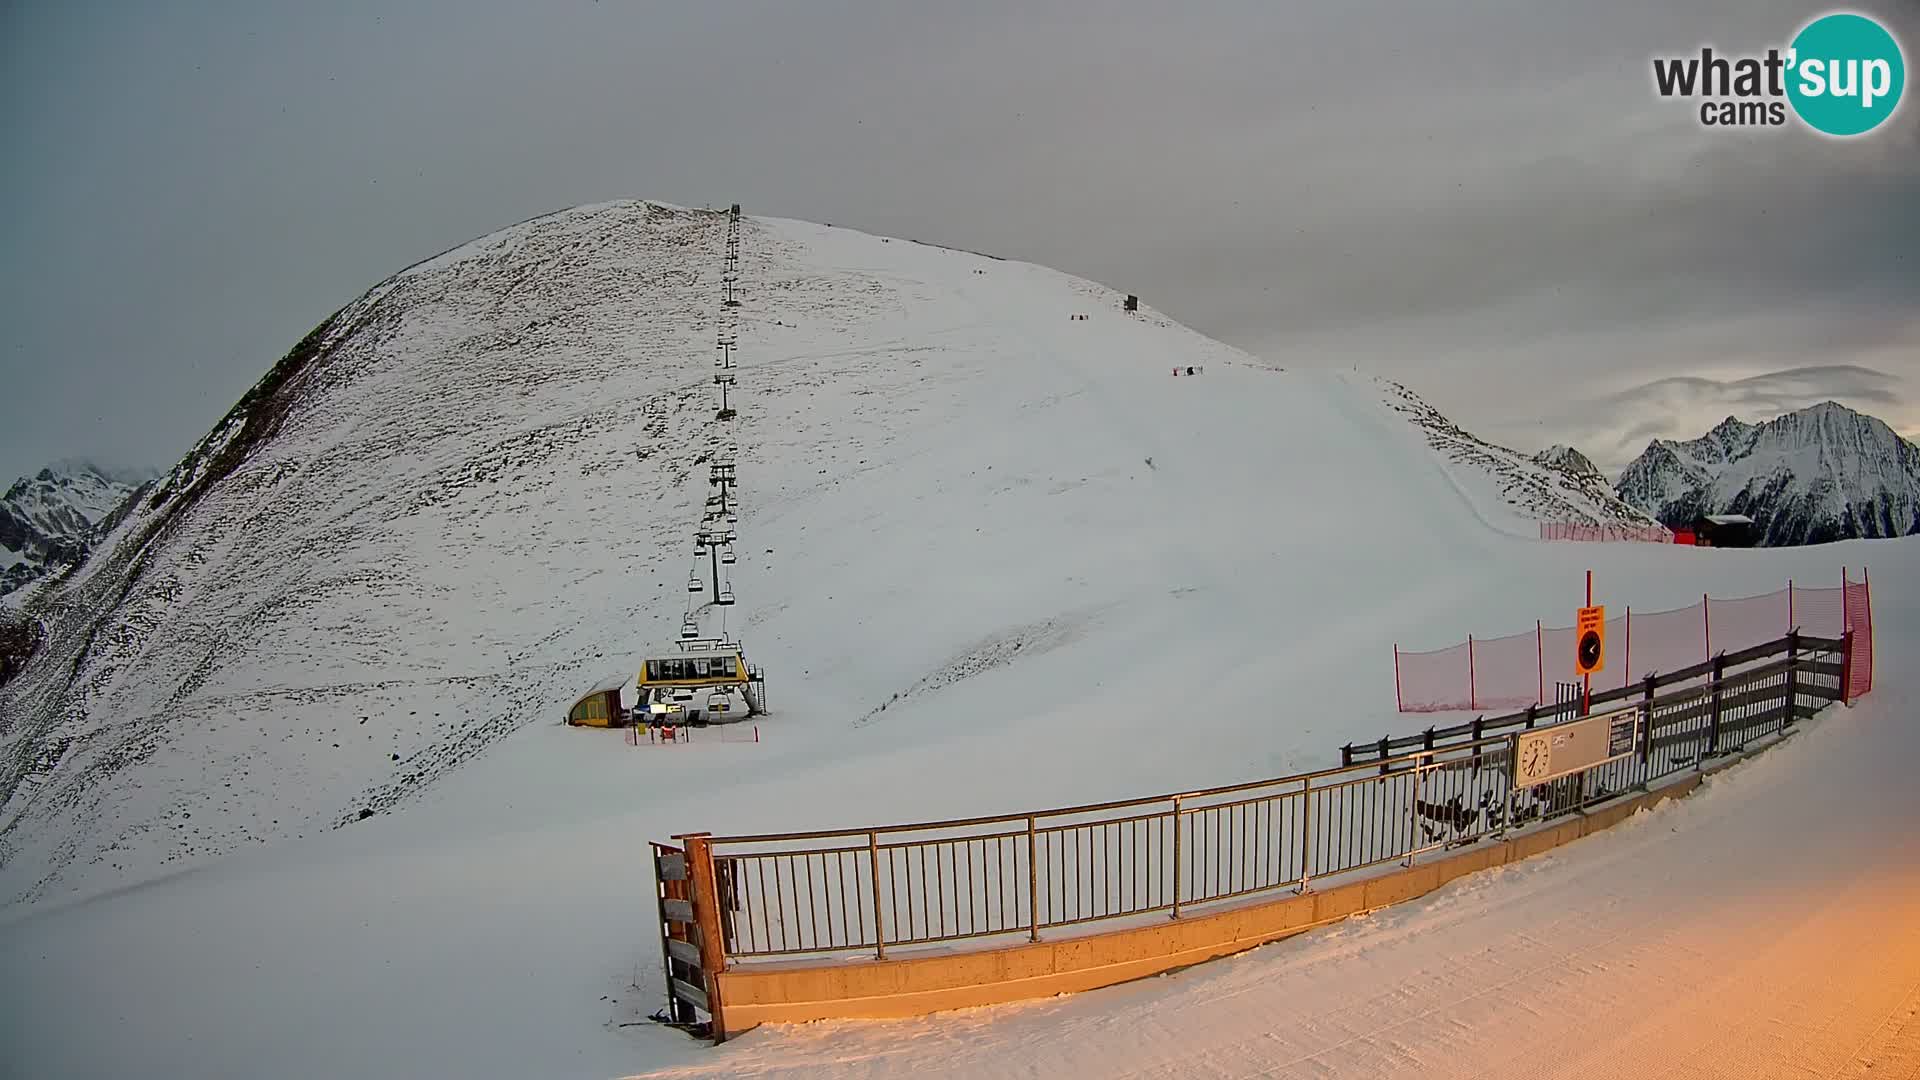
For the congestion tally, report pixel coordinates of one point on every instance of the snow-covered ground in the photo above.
(1067, 575)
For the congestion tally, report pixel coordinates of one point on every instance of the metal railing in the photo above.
(853, 890)
(1792, 644)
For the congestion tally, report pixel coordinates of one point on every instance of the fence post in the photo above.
(1793, 678)
(1346, 756)
(1033, 885)
(1846, 667)
(1790, 622)
(1713, 720)
(1384, 767)
(1646, 746)
(1540, 661)
(1473, 691)
(1506, 812)
(1530, 711)
(706, 915)
(1306, 831)
(1176, 855)
(1413, 808)
(873, 868)
(1479, 732)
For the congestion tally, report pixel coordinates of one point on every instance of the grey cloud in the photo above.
(1482, 199)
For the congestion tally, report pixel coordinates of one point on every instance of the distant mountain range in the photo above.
(48, 521)
(1814, 475)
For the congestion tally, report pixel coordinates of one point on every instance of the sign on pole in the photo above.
(1550, 753)
(1590, 640)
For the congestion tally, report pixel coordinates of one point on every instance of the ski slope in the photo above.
(992, 557)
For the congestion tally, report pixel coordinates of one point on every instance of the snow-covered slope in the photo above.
(470, 493)
(1067, 575)
(48, 520)
(1818, 474)
(1511, 490)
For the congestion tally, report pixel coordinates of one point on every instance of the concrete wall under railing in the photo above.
(799, 991)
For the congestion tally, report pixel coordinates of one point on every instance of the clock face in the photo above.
(1533, 760)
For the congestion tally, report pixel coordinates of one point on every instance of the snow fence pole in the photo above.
(1473, 692)
(1866, 585)
(1706, 624)
(1399, 703)
(1626, 662)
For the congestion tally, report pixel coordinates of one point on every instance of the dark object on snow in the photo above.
(365, 813)
(1133, 303)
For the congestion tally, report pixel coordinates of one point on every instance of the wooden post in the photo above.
(706, 916)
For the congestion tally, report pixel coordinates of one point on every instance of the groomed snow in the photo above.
(1204, 578)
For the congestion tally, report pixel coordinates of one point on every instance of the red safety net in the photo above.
(1606, 534)
(1859, 619)
(1521, 669)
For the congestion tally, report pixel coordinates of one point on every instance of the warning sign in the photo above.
(1564, 749)
(1590, 640)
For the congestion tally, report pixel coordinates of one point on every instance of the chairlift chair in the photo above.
(717, 703)
(725, 598)
(727, 556)
(689, 630)
(693, 583)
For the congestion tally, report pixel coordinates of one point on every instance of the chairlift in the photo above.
(718, 703)
(689, 630)
(726, 556)
(725, 598)
(693, 583)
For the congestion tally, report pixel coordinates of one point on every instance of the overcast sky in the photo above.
(1483, 199)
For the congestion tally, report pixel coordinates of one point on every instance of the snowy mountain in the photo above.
(1811, 476)
(468, 494)
(1569, 460)
(993, 556)
(48, 520)
(1558, 484)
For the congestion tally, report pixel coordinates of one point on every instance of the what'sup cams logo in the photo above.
(1842, 75)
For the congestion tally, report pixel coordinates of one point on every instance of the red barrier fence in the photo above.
(1635, 534)
(1517, 670)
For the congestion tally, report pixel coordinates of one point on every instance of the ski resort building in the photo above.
(600, 706)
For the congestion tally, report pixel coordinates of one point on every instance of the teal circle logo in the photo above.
(1845, 74)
